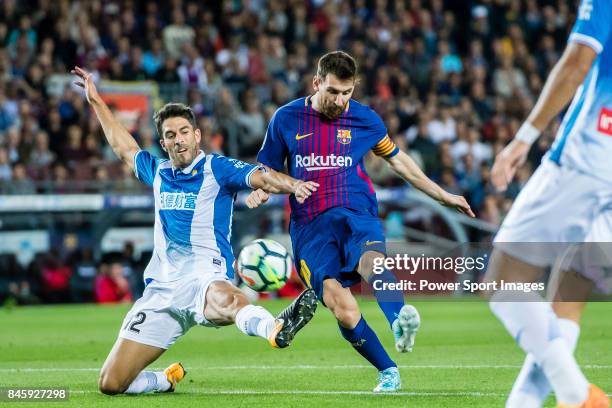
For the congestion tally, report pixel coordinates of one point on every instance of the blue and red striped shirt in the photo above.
(329, 152)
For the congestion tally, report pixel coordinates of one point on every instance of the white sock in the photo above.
(564, 375)
(148, 381)
(531, 387)
(254, 321)
(535, 327)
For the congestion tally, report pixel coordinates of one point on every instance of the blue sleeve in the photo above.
(593, 24)
(145, 166)
(232, 174)
(379, 130)
(274, 149)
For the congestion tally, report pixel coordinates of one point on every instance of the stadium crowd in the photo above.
(452, 80)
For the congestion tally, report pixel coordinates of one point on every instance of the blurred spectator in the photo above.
(55, 278)
(111, 286)
(7, 117)
(6, 172)
(480, 152)
(13, 144)
(252, 124)
(168, 74)
(102, 179)
(41, 156)
(82, 280)
(449, 62)
(126, 183)
(21, 182)
(456, 83)
(58, 183)
(150, 143)
(74, 149)
(442, 127)
(191, 71)
(177, 34)
(509, 81)
(153, 59)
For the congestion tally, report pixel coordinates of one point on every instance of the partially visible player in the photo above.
(337, 235)
(187, 279)
(568, 199)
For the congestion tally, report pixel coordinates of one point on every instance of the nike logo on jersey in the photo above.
(368, 243)
(300, 137)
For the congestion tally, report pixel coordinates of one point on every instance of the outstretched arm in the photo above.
(565, 78)
(271, 181)
(407, 169)
(120, 140)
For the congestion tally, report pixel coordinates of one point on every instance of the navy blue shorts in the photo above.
(330, 246)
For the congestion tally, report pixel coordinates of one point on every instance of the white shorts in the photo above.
(167, 310)
(558, 206)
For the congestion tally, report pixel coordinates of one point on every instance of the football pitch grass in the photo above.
(463, 357)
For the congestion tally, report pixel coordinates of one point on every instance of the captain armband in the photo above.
(386, 148)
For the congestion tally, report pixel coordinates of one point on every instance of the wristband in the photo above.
(527, 133)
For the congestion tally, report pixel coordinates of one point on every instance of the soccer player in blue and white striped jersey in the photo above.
(566, 201)
(188, 277)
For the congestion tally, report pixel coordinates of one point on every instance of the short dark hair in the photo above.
(173, 110)
(339, 63)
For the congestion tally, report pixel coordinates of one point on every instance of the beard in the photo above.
(332, 111)
(184, 159)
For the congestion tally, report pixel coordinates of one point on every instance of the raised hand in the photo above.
(87, 83)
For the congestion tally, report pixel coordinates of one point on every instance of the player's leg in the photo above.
(540, 334)
(146, 332)
(531, 387)
(356, 331)
(122, 371)
(365, 248)
(403, 319)
(569, 291)
(544, 212)
(226, 304)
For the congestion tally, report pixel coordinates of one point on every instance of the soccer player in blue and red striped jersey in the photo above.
(337, 235)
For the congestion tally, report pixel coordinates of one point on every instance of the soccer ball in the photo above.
(264, 265)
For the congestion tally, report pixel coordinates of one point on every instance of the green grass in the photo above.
(463, 357)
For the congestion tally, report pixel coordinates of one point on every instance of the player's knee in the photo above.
(367, 262)
(226, 303)
(110, 385)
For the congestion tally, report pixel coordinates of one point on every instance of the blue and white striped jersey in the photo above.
(193, 213)
(584, 139)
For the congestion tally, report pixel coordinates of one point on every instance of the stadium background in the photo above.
(452, 81)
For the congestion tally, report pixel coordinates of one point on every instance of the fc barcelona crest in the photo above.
(344, 136)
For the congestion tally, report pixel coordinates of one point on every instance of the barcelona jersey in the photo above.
(329, 152)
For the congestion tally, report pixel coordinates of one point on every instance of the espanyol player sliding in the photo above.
(337, 235)
(187, 279)
(567, 200)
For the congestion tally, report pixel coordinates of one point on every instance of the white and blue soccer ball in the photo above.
(264, 265)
